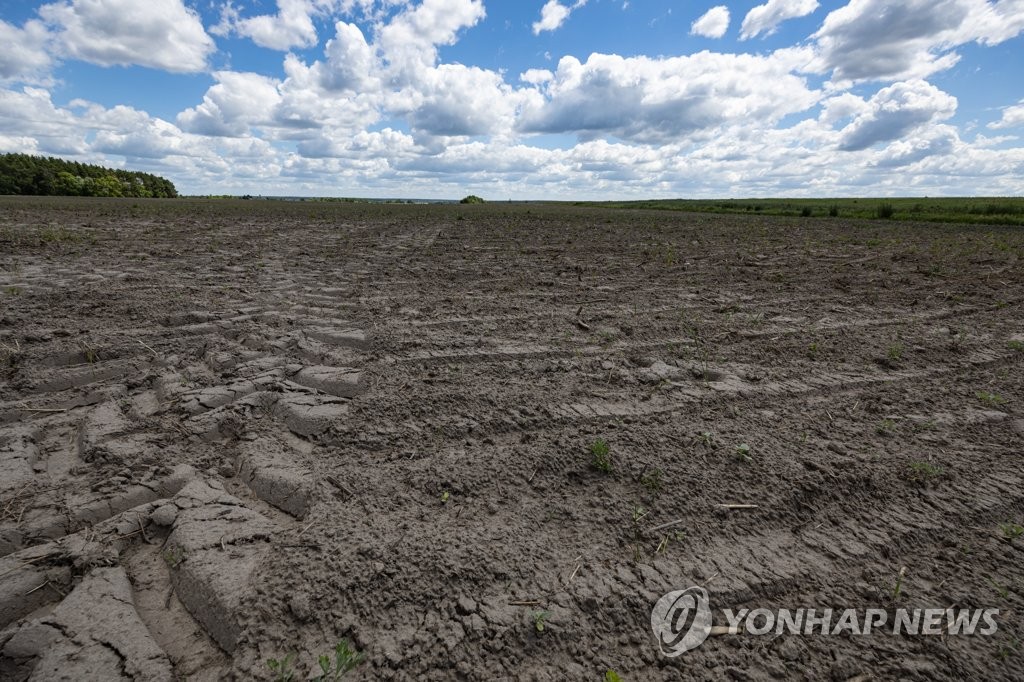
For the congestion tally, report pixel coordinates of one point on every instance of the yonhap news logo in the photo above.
(682, 620)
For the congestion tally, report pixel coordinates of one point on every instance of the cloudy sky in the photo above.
(556, 99)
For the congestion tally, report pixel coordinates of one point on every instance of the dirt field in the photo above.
(230, 431)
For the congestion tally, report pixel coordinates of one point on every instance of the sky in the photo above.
(525, 99)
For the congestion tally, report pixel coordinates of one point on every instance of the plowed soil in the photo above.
(230, 431)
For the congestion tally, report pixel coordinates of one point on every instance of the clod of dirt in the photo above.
(215, 546)
(93, 634)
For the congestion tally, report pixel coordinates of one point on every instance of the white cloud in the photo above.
(30, 113)
(895, 111)
(901, 39)
(292, 25)
(309, 109)
(141, 136)
(713, 24)
(840, 107)
(351, 62)
(453, 100)
(409, 42)
(162, 34)
(553, 14)
(536, 76)
(230, 107)
(25, 53)
(656, 100)
(767, 17)
(938, 141)
(1013, 117)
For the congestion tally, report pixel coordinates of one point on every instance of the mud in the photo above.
(230, 431)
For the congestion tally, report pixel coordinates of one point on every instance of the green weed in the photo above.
(991, 399)
(174, 556)
(345, 659)
(742, 453)
(1011, 531)
(651, 480)
(600, 456)
(1001, 590)
(540, 619)
(895, 352)
(922, 472)
(282, 669)
(898, 587)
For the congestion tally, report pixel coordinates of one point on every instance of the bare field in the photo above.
(230, 431)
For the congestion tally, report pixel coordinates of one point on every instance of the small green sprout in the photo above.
(600, 456)
(743, 453)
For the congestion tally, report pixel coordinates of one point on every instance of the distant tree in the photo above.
(68, 185)
(37, 175)
(471, 199)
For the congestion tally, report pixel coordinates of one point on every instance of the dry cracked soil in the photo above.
(232, 431)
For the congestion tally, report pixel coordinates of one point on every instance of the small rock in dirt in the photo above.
(867, 591)
(738, 674)
(789, 650)
(1018, 426)
(838, 449)
(300, 607)
(164, 515)
(465, 606)
(844, 669)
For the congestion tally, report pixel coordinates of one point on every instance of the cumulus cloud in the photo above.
(25, 52)
(309, 108)
(767, 17)
(712, 24)
(138, 135)
(292, 25)
(901, 39)
(840, 107)
(161, 34)
(895, 111)
(409, 41)
(230, 107)
(453, 100)
(351, 62)
(654, 100)
(1013, 117)
(30, 113)
(553, 14)
(536, 76)
(939, 141)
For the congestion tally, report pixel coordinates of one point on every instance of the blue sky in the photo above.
(553, 99)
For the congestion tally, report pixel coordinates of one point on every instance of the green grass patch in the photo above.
(979, 210)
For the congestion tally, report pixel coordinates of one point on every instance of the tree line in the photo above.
(47, 176)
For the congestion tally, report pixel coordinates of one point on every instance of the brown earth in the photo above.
(234, 430)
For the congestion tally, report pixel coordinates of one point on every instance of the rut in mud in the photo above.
(230, 431)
